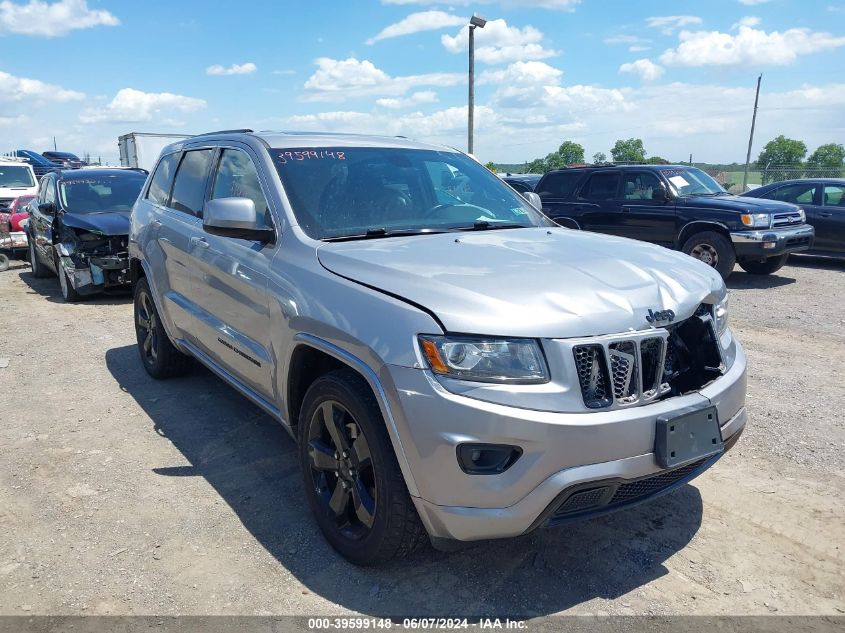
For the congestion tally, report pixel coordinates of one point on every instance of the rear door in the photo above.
(42, 224)
(230, 280)
(557, 192)
(179, 229)
(601, 208)
(646, 213)
(829, 219)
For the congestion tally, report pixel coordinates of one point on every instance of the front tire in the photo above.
(158, 355)
(352, 479)
(4, 263)
(714, 249)
(69, 293)
(765, 267)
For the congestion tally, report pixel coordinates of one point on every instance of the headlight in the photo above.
(802, 214)
(757, 220)
(721, 313)
(485, 359)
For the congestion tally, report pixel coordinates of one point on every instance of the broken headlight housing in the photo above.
(721, 315)
(480, 359)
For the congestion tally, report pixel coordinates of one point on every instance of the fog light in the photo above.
(769, 244)
(487, 459)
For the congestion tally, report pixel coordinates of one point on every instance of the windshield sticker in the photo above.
(519, 211)
(679, 181)
(285, 157)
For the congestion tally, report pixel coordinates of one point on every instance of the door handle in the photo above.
(626, 209)
(199, 241)
(156, 223)
(826, 215)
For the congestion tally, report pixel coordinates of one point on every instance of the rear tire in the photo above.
(38, 269)
(765, 267)
(352, 479)
(158, 355)
(714, 249)
(4, 263)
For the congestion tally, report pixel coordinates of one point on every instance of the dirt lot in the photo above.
(121, 495)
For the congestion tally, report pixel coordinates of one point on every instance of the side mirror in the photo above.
(533, 199)
(47, 208)
(24, 223)
(235, 217)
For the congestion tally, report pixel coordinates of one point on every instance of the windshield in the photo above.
(61, 155)
(16, 176)
(343, 192)
(692, 182)
(101, 193)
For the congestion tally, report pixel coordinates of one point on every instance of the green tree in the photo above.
(537, 166)
(599, 157)
(827, 161)
(656, 160)
(570, 153)
(781, 159)
(491, 166)
(628, 151)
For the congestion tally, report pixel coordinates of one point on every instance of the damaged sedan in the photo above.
(79, 226)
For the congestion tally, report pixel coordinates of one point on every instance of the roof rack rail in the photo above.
(241, 131)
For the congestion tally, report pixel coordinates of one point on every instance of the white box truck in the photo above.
(138, 149)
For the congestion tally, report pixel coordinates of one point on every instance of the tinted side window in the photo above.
(601, 186)
(640, 185)
(189, 185)
(559, 185)
(834, 195)
(162, 181)
(237, 178)
(802, 193)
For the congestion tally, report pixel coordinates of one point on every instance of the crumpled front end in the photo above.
(93, 262)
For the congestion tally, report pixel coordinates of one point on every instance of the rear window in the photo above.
(16, 176)
(559, 185)
(601, 186)
(189, 186)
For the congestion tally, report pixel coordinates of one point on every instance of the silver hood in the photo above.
(540, 282)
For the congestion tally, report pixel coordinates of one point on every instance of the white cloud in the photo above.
(559, 5)
(341, 79)
(645, 68)
(626, 39)
(499, 43)
(522, 73)
(417, 22)
(51, 19)
(748, 46)
(235, 69)
(751, 3)
(668, 24)
(20, 89)
(638, 48)
(748, 20)
(425, 96)
(133, 106)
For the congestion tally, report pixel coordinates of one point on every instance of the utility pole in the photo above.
(54, 144)
(475, 22)
(751, 136)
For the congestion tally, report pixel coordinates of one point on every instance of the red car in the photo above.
(13, 240)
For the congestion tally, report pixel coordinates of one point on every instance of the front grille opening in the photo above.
(651, 352)
(623, 368)
(692, 360)
(592, 375)
(634, 490)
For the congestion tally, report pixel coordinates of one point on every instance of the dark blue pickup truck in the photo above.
(679, 207)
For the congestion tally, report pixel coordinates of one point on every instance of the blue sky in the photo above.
(680, 75)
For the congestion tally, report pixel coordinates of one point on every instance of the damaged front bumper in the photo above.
(92, 273)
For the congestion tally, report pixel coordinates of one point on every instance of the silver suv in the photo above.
(451, 363)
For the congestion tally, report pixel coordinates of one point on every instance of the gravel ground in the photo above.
(121, 495)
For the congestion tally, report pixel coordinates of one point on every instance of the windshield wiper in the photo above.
(484, 225)
(377, 233)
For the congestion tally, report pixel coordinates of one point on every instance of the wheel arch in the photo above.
(313, 357)
(699, 226)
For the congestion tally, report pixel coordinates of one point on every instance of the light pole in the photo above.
(475, 21)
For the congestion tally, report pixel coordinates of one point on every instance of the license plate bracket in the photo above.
(687, 437)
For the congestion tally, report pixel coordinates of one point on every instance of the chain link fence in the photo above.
(731, 178)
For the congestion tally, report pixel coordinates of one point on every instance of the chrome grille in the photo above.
(636, 367)
(791, 218)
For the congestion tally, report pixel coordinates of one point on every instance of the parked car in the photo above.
(451, 362)
(522, 182)
(678, 207)
(78, 229)
(17, 179)
(40, 165)
(65, 159)
(823, 200)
